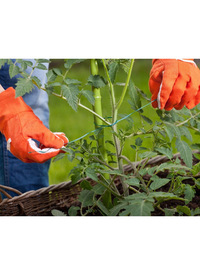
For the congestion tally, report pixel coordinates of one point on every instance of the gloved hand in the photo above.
(174, 83)
(20, 126)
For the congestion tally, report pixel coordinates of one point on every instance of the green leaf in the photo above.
(13, 70)
(117, 208)
(51, 76)
(164, 151)
(169, 212)
(72, 81)
(43, 60)
(195, 212)
(3, 62)
(99, 189)
(85, 184)
(148, 120)
(86, 197)
(36, 81)
(23, 86)
(138, 141)
(69, 62)
(185, 132)
(138, 207)
(158, 182)
(172, 130)
(56, 212)
(91, 174)
(135, 100)
(89, 95)
(73, 210)
(113, 67)
(196, 169)
(133, 182)
(164, 195)
(70, 92)
(57, 71)
(96, 81)
(41, 66)
(171, 166)
(103, 208)
(189, 193)
(185, 152)
(184, 209)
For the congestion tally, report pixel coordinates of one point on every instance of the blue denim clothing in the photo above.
(13, 172)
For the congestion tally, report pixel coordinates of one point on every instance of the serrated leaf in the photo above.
(189, 193)
(91, 174)
(51, 76)
(86, 198)
(103, 208)
(116, 209)
(135, 100)
(96, 81)
(185, 152)
(72, 81)
(36, 81)
(113, 67)
(185, 132)
(99, 189)
(158, 182)
(172, 130)
(133, 182)
(13, 70)
(138, 208)
(165, 151)
(89, 95)
(70, 92)
(23, 86)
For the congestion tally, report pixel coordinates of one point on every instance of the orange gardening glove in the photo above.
(20, 126)
(174, 83)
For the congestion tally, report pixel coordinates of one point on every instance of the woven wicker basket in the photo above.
(63, 195)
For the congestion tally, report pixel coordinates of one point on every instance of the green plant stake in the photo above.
(106, 198)
(98, 109)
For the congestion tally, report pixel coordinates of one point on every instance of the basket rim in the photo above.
(69, 184)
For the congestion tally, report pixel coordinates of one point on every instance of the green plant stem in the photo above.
(126, 85)
(98, 110)
(115, 108)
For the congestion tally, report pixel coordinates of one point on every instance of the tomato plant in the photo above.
(168, 188)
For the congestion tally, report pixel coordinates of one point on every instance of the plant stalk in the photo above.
(98, 110)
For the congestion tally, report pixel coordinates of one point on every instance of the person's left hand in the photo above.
(174, 83)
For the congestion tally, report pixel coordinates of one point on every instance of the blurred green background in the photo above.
(75, 124)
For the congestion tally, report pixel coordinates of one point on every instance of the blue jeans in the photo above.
(13, 172)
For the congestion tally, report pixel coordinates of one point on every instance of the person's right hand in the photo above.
(21, 127)
(174, 83)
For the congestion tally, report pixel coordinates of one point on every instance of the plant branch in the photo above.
(126, 85)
